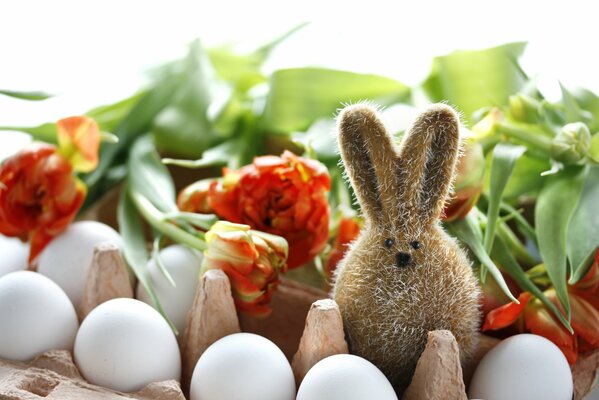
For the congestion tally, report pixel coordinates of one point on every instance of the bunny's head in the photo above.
(404, 276)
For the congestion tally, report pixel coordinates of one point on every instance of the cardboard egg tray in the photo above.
(305, 324)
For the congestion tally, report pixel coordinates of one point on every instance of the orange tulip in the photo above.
(285, 196)
(349, 229)
(533, 316)
(194, 198)
(251, 259)
(468, 184)
(39, 193)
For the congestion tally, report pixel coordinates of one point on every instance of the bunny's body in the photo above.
(404, 276)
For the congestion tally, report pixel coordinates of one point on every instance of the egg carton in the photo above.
(305, 324)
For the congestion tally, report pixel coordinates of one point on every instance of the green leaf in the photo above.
(572, 111)
(44, 132)
(505, 156)
(474, 79)
(202, 221)
(300, 96)
(526, 177)
(320, 138)
(588, 101)
(34, 96)
(217, 155)
(554, 209)
(243, 71)
(109, 116)
(594, 150)
(158, 260)
(149, 177)
(184, 127)
(134, 248)
(583, 230)
(524, 227)
(504, 257)
(138, 121)
(468, 231)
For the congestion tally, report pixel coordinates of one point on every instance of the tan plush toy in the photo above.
(403, 276)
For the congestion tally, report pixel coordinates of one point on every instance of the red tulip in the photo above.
(285, 196)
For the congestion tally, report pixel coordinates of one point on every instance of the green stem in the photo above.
(536, 140)
(514, 244)
(156, 218)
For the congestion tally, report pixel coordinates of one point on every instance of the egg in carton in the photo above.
(305, 324)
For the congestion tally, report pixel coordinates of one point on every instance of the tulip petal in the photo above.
(585, 320)
(79, 142)
(540, 321)
(507, 314)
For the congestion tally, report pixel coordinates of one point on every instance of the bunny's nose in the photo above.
(403, 259)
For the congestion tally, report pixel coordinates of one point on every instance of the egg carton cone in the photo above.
(305, 324)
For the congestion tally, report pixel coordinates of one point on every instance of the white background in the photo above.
(94, 52)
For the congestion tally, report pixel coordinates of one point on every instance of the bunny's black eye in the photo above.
(415, 244)
(389, 242)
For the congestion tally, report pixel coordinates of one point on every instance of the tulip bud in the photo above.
(572, 143)
(486, 127)
(251, 259)
(524, 108)
(468, 184)
(194, 198)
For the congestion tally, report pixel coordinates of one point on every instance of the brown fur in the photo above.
(387, 310)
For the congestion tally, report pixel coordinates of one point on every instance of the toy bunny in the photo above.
(403, 276)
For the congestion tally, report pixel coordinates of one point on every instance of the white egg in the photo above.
(67, 258)
(523, 367)
(345, 377)
(242, 366)
(13, 255)
(124, 344)
(35, 316)
(183, 264)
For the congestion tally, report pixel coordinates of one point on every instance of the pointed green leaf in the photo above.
(134, 248)
(505, 156)
(504, 257)
(583, 230)
(468, 231)
(44, 132)
(149, 177)
(183, 127)
(554, 209)
(588, 101)
(572, 111)
(33, 96)
(158, 260)
(217, 155)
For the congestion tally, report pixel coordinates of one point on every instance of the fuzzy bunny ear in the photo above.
(371, 161)
(427, 160)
